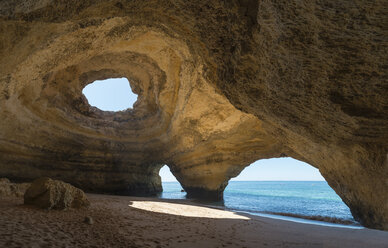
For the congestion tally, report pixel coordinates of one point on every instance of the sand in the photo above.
(120, 221)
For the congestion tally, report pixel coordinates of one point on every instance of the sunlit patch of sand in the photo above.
(185, 210)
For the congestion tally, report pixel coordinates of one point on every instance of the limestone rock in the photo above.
(12, 189)
(53, 194)
(89, 220)
(221, 84)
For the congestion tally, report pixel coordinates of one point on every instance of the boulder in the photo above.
(53, 194)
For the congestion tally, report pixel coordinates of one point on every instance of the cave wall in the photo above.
(221, 84)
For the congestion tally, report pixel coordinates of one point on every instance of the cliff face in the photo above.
(220, 86)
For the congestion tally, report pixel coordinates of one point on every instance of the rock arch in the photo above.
(220, 85)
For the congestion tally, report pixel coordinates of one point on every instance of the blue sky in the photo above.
(110, 95)
(115, 94)
(274, 169)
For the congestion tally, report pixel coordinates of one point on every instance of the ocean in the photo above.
(295, 198)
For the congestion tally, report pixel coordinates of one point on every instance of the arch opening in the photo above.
(279, 169)
(113, 94)
(287, 187)
(172, 189)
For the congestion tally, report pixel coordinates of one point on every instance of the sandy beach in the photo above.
(121, 221)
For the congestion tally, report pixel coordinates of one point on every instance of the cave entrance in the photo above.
(113, 94)
(286, 187)
(172, 189)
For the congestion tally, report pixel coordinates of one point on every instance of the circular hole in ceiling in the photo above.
(113, 94)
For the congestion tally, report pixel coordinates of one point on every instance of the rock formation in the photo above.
(221, 84)
(8, 189)
(53, 194)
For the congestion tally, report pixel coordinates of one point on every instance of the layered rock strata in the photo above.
(221, 84)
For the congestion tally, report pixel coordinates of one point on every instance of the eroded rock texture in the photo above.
(221, 84)
(54, 194)
(8, 189)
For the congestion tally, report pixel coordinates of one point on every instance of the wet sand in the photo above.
(121, 221)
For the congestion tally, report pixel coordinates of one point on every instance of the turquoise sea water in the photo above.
(306, 198)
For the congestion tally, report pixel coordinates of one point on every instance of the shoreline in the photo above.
(298, 218)
(323, 209)
(318, 218)
(312, 220)
(307, 220)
